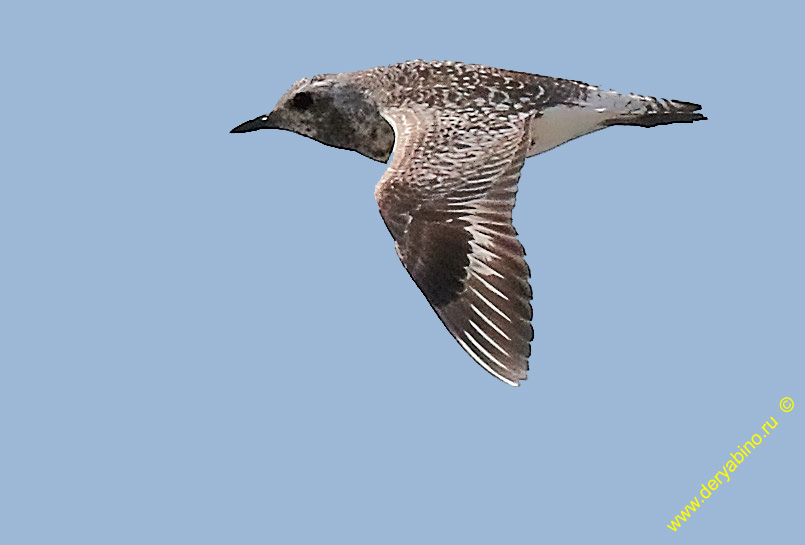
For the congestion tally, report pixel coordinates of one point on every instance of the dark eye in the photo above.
(302, 101)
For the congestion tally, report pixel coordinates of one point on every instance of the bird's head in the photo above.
(333, 111)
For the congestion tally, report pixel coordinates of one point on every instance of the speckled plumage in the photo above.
(460, 135)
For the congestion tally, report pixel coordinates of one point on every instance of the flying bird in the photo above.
(459, 134)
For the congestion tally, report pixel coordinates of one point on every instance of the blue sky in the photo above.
(208, 338)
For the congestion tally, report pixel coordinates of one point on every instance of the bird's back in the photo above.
(561, 109)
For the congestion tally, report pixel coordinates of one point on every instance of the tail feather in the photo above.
(651, 112)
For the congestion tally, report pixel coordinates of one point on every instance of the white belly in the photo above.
(561, 124)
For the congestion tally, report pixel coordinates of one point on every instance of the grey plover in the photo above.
(460, 134)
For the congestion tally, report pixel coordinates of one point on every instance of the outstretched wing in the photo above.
(447, 199)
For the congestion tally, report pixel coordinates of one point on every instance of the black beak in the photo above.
(262, 122)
